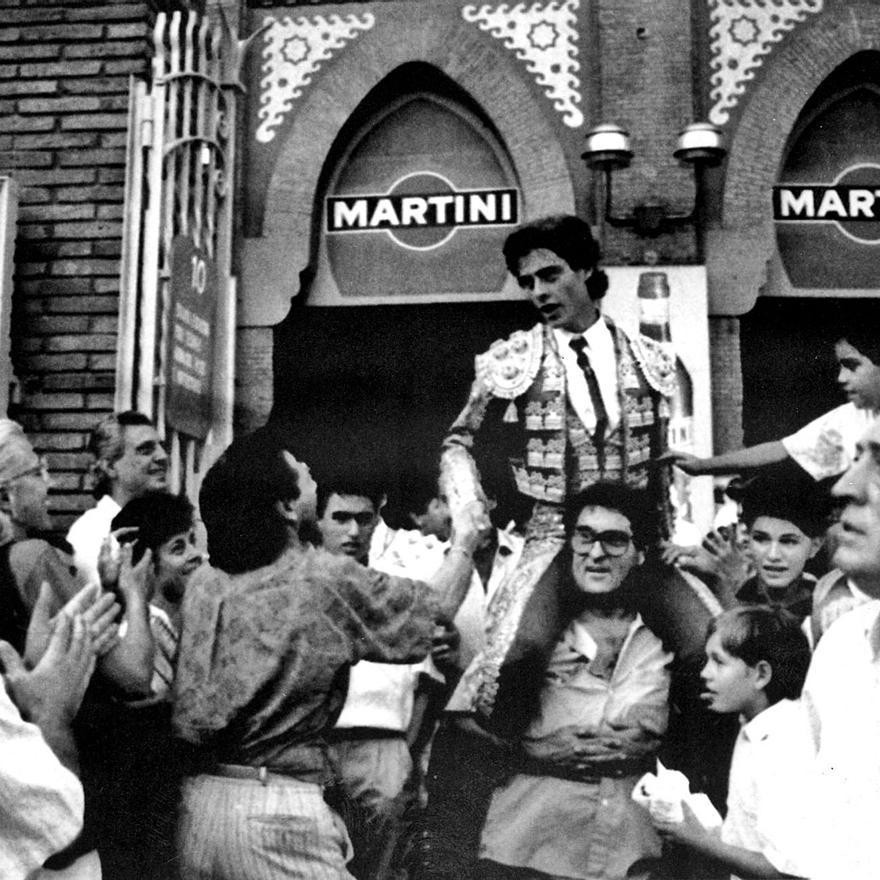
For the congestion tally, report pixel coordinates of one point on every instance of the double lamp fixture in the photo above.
(700, 145)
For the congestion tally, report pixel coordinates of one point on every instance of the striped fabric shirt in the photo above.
(165, 639)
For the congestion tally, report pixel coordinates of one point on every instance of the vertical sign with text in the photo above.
(190, 354)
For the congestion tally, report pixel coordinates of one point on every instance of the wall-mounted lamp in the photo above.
(608, 148)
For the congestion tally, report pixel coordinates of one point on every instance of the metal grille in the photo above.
(179, 183)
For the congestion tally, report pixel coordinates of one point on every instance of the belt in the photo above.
(261, 774)
(347, 734)
(591, 773)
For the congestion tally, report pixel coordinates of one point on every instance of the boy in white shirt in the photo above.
(825, 447)
(757, 659)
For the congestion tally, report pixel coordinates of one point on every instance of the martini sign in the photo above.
(851, 203)
(421, 211)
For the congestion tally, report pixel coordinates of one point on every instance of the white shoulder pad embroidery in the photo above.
(657, 362)
(510, 365)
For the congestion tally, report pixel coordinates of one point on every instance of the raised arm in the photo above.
(772, 452)
(129, 665)
(452, 580)
(459, 479)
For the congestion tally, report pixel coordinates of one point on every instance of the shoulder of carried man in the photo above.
(657, 362)
(510, 365)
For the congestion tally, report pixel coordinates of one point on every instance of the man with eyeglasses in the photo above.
(37, 579)
(27, 559)
(602, 710)
(31, 556)
(573, 401)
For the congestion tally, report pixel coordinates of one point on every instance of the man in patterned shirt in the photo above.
(269, 632)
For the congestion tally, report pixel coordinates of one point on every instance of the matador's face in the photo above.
(557, 291)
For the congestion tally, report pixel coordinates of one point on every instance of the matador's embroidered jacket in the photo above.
(518, 407)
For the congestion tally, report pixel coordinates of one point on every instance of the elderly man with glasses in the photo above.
(38, 580)
(27, 560)
(31, 555)
(601, 714)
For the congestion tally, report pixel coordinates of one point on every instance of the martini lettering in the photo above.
(826, 203)
(470, 208)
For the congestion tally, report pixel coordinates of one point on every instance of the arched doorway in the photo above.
(825, 275)
(407, 284)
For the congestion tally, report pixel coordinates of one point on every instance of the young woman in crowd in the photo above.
(136, 763)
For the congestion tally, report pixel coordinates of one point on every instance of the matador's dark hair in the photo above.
(568, 237)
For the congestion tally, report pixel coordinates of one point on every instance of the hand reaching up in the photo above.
(109, 556)
(719, 561)
(135, 581)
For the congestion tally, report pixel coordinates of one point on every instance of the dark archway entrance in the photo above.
(371, 390)
(827, 274)
(376, 356)
(789, 370)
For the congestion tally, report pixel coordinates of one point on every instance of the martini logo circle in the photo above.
(421, 211)
(851, 203)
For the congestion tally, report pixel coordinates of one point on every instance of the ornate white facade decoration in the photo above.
(294, 50)
(544, 35)
(741, 34)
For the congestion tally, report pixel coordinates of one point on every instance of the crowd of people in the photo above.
(309, 692)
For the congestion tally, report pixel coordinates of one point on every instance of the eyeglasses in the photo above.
(40, 469)
(613, 542)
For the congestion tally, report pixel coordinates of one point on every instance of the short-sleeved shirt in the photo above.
(584, 829)
(264, 655)
(826, 446)
(165, 640)
(381, 696)
(842, 696)
(769, 786)
(834, 596)
(41, 801)
(86, 535)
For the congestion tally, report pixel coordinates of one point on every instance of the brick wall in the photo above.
(254, 379)
(727, 384)
(740, 250)
(645, 85)
(64, 83)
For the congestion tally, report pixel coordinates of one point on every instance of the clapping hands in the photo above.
(49, 682)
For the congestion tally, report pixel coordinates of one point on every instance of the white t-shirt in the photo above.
(41, 801)
(86, 535)
(770, 776)
(381, 695)
(826, 446)
(842, 698)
